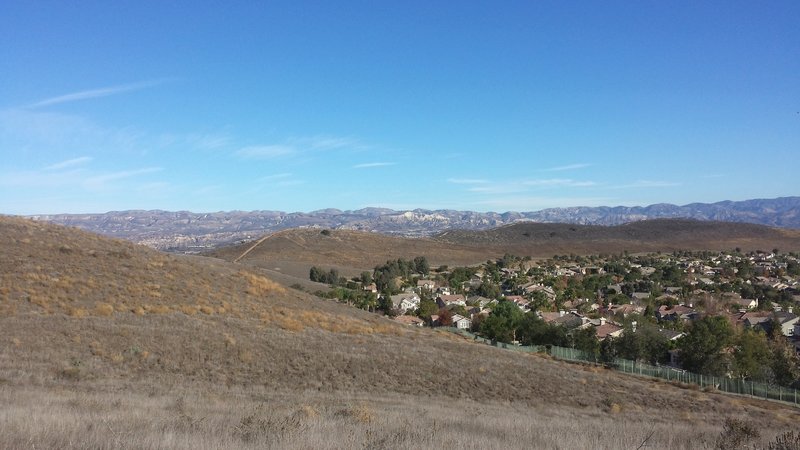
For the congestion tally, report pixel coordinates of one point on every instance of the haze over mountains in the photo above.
(187, 231)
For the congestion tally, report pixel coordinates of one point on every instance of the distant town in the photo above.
(716, 313)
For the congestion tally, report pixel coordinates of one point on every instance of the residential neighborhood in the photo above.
(607, 303)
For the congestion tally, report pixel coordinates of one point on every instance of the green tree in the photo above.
(701, 349)
(489, 290)
(644, 344)
(421, 265)
(502, 323)
(533, 330)
(427, 307)
(785, 365)
(366, 278)
(538, 301)
(585, 339)
(385, 305)
(752, 357)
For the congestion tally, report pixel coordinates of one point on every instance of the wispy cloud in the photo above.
(326, 142)
(70, 163)
(373, 164)
(201, 141)
(567, 167)
(277, 176)
(265, 151)
(502, 188)
(101, 180)
(96, 93)
(467, 181)
(647, 184)
(563, 182)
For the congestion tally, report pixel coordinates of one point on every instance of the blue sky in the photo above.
(486, 106)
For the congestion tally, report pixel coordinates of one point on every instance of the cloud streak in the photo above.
(70, 163)
(647, 184)
(373, 164)
(567, 167)
(265, 151)
(100, 180)
(467, 181)
(564, 182)
(95, 93)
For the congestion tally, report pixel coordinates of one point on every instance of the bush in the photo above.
(736, 434)
(787, 441)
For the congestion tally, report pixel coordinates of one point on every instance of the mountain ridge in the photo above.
(187, 231)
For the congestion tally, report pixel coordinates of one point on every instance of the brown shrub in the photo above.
(103, 309)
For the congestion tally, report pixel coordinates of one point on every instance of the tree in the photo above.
(532, 330)
(488, 289)
(385, 305)
(538, 301)
(502, 323)
(644, 344)
(427, 308)
(752, 357)
(366, 278)
(585, 339)
(421, 265)
(702, 347)
(784, 363)
(445, 317)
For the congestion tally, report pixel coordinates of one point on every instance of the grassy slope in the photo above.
(290, 254)
(94, 354)
(652, 235)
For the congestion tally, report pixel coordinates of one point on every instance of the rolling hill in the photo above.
(184, 231)
(291, 253)
(110, 344)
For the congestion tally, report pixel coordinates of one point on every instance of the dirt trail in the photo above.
(250, 249)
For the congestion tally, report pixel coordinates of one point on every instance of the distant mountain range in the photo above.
(188, 232)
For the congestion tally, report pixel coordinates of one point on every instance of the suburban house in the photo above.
(763, 320)
(568, 320)
(677, 312)
(518, 300)
(537, 287)
(461, 322)
(745, 303)
(604, 329)
(625, 310)
(426, 284)
(671, 335)
(447, 300)
(404, 302)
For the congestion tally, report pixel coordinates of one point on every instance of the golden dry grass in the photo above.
(259, 362)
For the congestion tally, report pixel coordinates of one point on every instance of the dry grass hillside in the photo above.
(291, 253)
(110, 345)
(544, 240)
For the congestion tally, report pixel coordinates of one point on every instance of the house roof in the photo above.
(452, 298)
(606, 329)
(670, 334)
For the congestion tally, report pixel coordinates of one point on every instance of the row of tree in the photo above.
(711, 346)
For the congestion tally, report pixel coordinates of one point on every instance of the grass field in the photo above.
(108, 345)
